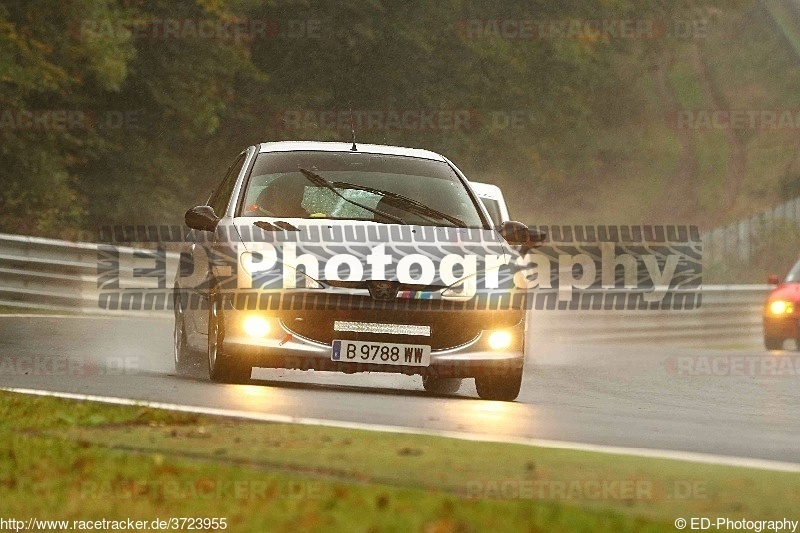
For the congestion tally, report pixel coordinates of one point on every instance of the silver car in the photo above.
(346, 258)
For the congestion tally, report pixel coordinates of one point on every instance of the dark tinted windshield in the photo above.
(277, 188)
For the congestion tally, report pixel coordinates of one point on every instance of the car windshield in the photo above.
(794, 274)
(277, 187)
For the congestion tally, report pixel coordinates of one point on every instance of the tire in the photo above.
(222, 369)
(773, 343)
(186, 360)
(436, 385)
(499, 386)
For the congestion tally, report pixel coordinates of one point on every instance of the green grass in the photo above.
(63, 459)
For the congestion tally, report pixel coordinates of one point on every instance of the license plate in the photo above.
(381, 353)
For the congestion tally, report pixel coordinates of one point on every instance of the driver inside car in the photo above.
(283, 197)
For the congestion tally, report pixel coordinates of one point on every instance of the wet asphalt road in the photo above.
(741, 402)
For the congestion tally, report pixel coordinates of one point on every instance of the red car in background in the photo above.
(782, 310)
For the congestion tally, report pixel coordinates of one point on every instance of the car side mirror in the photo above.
(773, 280)
(518, 234)
(201, 217)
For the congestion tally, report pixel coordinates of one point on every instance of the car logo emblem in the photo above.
(383, 290)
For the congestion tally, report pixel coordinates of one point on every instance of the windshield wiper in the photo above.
(319, 181)
(405, 200)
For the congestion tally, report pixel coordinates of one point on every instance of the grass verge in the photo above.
(69, 460)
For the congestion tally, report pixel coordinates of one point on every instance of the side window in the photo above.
(222, 196)
(493, 207)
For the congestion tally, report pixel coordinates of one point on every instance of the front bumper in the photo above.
(283, 347)
(781, 327)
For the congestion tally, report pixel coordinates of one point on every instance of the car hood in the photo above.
(786, 291)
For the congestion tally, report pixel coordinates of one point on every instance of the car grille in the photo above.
(439, 329)
(389, 329)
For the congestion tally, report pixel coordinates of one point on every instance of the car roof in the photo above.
(292, 146)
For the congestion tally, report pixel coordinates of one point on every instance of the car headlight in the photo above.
(500, 340)
(781, 307)
(256, 326)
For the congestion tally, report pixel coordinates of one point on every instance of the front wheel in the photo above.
(502, 386)
(436, 385)
(773, 343)
(185, 358)
(222, 369)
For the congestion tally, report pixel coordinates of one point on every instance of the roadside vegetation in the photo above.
(578, 129)
(69, 460)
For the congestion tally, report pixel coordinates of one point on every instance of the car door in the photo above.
(201, 250)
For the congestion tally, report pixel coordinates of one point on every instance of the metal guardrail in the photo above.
(59, 275)
(47, 274)
(740, 240)
(729, 316)
(55, 275)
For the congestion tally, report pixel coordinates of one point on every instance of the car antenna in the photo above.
(352, 130)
